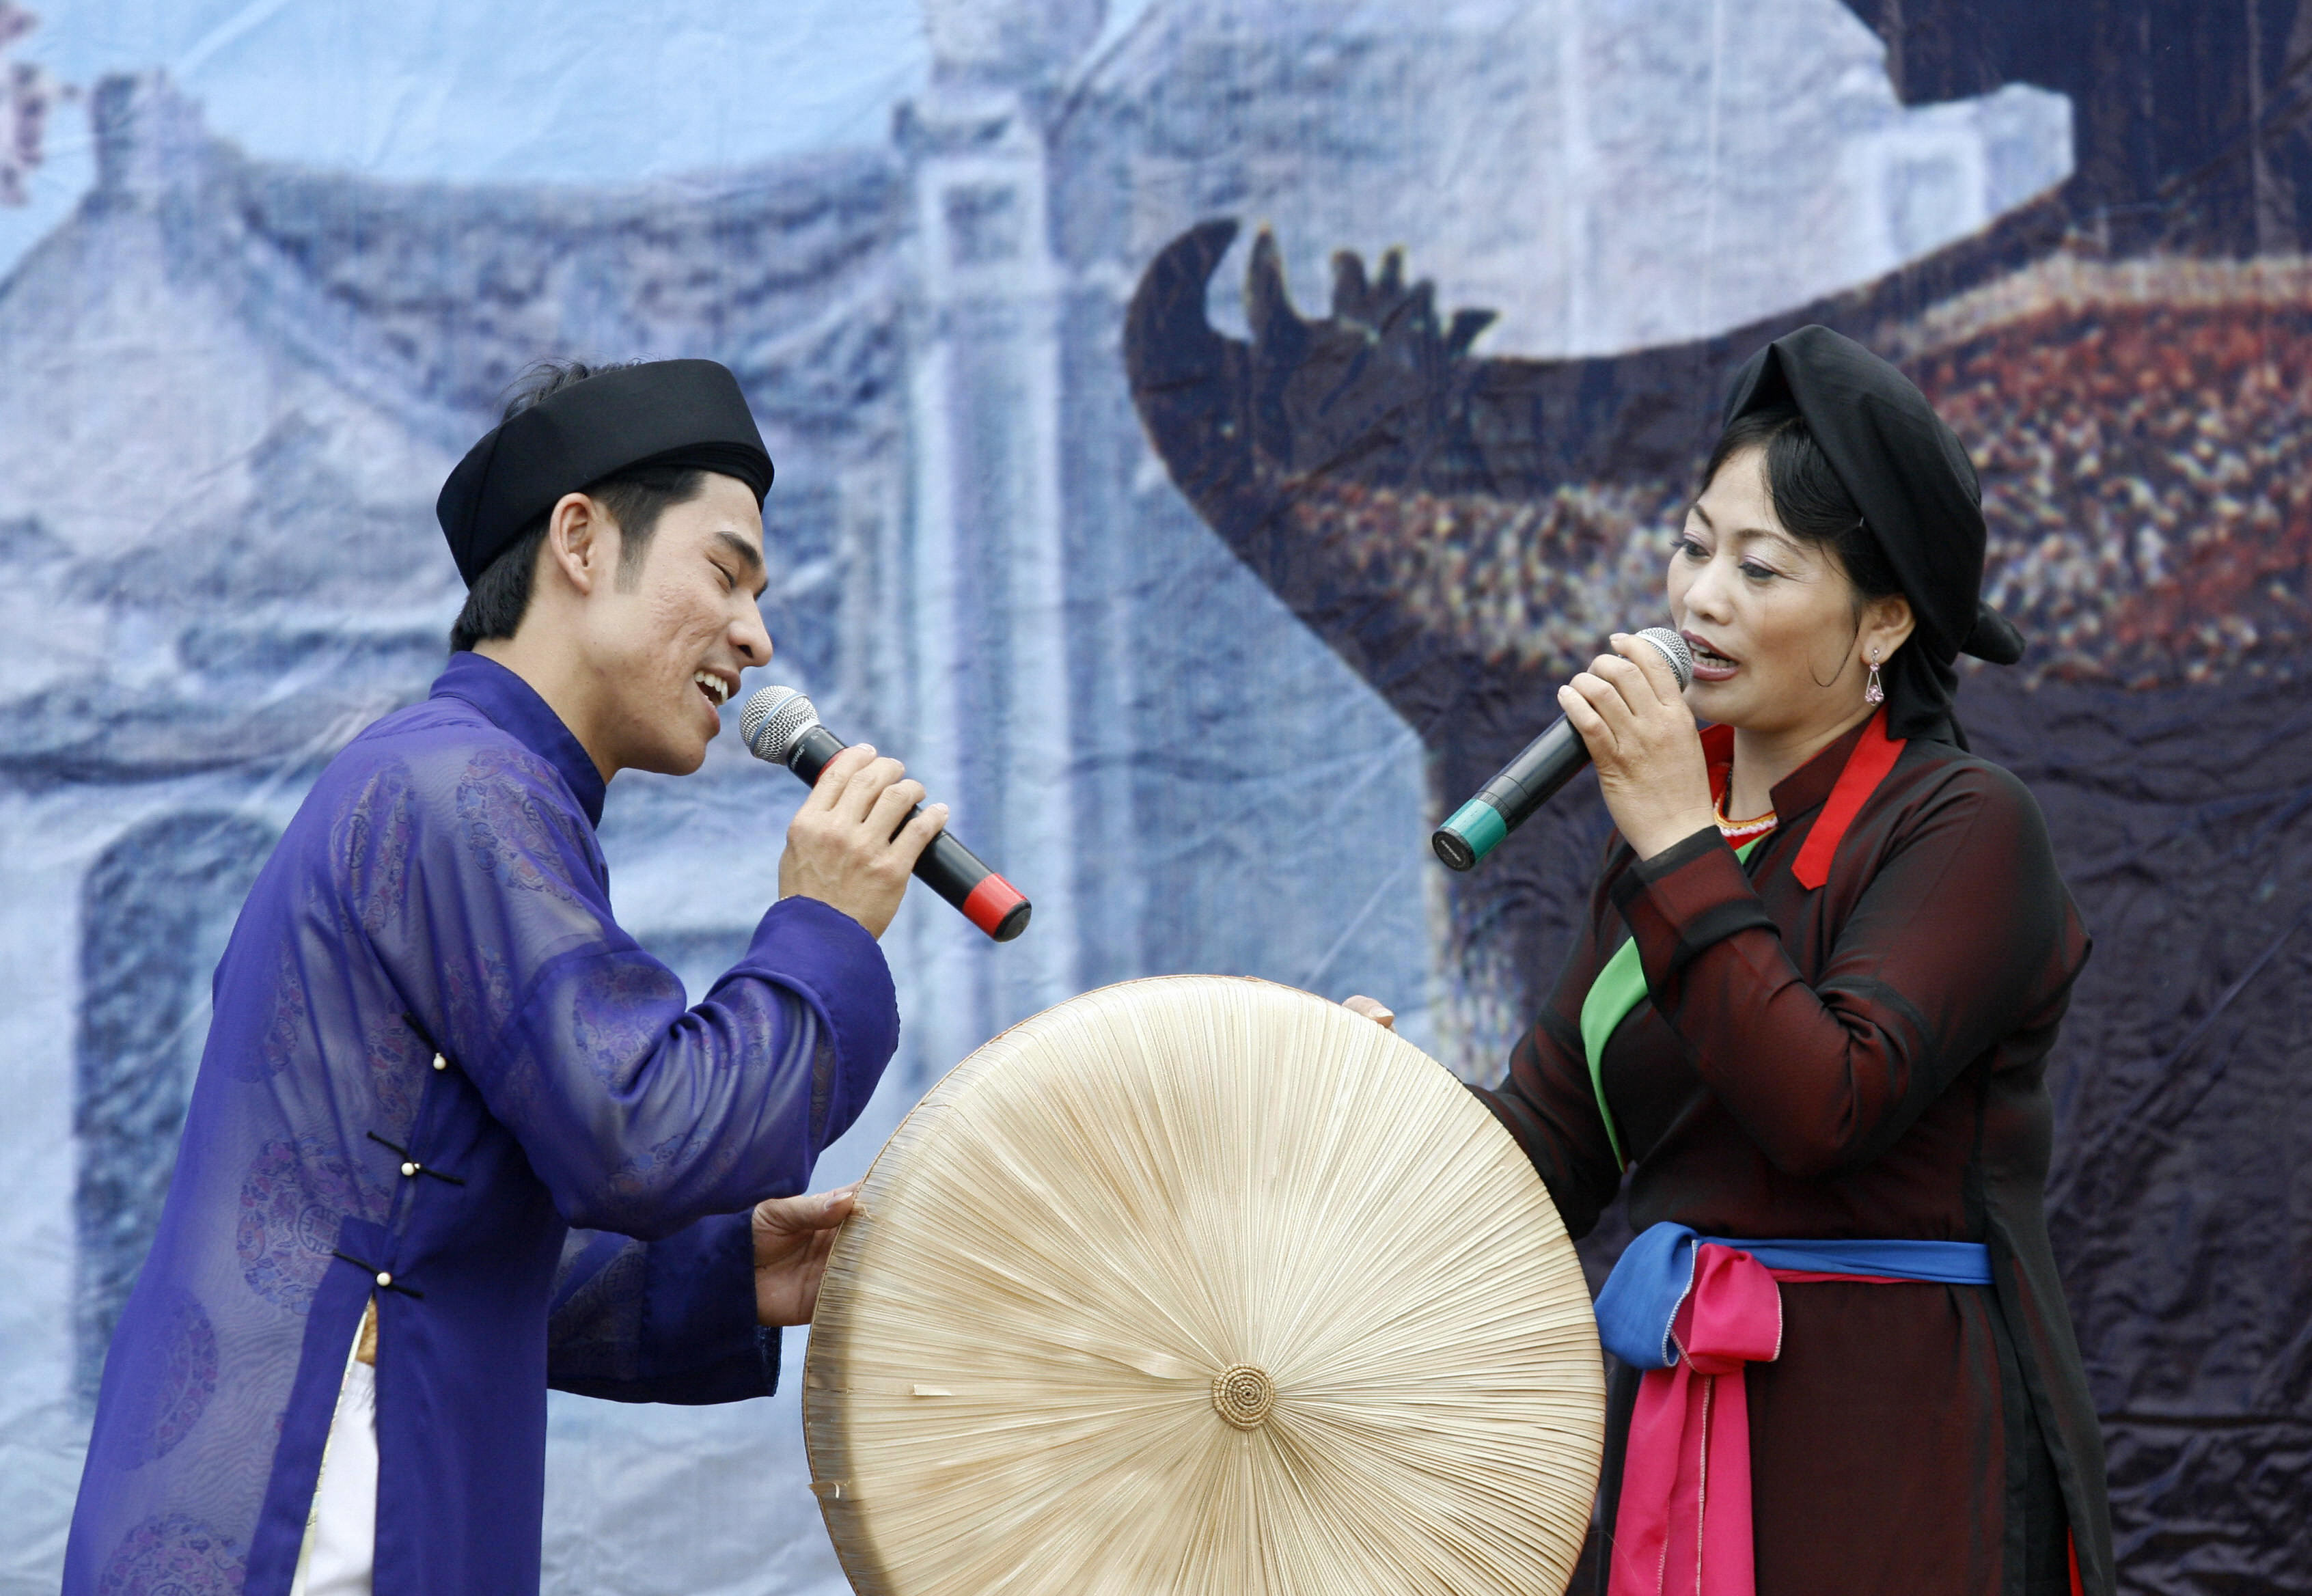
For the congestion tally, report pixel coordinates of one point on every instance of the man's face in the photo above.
(665, 643)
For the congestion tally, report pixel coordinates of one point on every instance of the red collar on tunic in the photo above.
(1863, 758)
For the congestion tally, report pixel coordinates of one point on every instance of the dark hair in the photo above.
(634, 498)
(1813, 504)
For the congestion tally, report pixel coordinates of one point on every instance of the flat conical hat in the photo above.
(1202, 1286)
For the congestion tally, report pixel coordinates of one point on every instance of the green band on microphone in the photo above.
(1475, 831)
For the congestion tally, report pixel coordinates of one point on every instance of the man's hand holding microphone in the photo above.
(852, 845)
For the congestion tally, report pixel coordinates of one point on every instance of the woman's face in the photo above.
(1771, 620)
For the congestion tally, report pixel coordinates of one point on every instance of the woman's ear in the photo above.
(1887, 625)
(576, 542)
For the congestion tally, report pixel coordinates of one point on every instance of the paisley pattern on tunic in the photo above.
(375, 839)
(290, 1033)
(477, 989)
(613, 1015)
(290, 1204)
(172, 1556)
(174, 1389)
(507, 827)
(397, 1061)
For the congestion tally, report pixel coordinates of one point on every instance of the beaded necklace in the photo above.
(1738, 832)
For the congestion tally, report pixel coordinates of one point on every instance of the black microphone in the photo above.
(1531, 779)
(780, 726)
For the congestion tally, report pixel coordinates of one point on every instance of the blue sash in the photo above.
(1647, 1287)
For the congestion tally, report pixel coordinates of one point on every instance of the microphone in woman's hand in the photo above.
(780, 726)
(1531, 779)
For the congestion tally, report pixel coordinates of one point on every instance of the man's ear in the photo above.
(582, 542)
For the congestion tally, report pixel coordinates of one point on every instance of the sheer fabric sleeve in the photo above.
(660, 1322)
(1547, 1100)
(640, 1115)
(1962, 936)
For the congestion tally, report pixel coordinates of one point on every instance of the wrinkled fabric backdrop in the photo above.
(1193, 544)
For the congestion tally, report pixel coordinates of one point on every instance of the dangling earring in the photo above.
(1874, 693)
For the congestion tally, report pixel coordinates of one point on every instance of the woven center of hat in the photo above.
(1242, 1394)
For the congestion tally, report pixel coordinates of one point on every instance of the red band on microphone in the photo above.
(987, 903)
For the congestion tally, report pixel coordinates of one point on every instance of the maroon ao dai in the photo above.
(1863, 1059)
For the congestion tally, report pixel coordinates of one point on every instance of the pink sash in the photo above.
(1683, 1523)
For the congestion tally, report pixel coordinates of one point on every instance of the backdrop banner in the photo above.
(1207, 430)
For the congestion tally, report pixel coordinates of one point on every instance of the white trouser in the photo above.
(341, 1534)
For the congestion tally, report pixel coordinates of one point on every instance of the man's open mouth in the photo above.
(717, 690)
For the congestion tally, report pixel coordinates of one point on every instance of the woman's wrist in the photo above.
(1653, 836)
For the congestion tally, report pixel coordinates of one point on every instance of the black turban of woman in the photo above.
(1920, 499)
(685, 413)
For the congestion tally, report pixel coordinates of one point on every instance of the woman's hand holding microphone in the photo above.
(1631, 713)
(1641, 735)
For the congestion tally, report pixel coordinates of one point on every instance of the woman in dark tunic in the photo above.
(1839, 1034)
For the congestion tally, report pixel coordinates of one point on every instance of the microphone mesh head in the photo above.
(1673, 650)
(772, 720)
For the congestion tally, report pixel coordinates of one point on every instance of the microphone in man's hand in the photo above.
(1531, 779)
(780, 726)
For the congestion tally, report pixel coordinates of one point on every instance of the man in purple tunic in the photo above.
(435, 1052)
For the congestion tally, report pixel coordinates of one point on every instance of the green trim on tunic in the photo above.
(1619, 987)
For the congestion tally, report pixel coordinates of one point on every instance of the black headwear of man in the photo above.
(1921, 501)
(685, 414)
